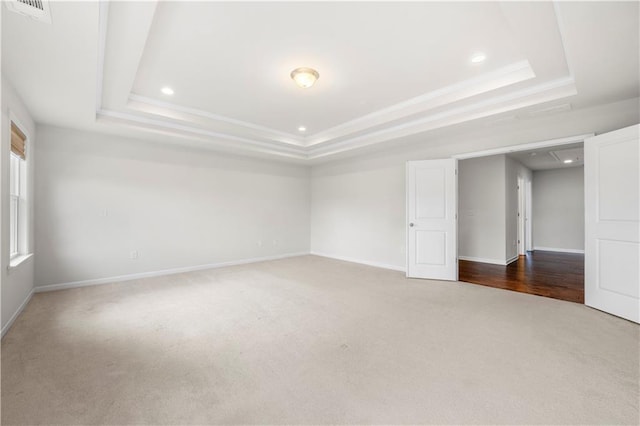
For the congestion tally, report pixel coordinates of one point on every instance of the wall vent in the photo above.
(576, 155)
(34, 9)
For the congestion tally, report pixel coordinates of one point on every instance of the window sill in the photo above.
(18, 260)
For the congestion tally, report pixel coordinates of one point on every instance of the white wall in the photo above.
(358, 204)
(558, 209)
(101, 197)
(481, 209)
(488, 208)
(359, 215)
(16, 283)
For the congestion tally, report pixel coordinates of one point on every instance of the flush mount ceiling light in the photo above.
(302, 129)
(568, 161)
(478, 57)
(167, 90)
(305, 77)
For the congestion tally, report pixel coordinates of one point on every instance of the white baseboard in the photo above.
(18, 311)
(362, 262)
(559, 250)
(513, 259)
(500, 262)
(129, 277)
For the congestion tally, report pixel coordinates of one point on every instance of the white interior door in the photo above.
(527, 216)
(521, 216)
(432, 209)
(612, 216)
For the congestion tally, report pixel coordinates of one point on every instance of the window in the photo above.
(17, 182)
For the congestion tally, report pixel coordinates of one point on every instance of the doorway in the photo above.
(521, 221)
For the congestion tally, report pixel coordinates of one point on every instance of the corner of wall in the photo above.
(17, 285)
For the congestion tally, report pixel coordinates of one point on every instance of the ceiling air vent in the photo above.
(34, 9)
(570, 155)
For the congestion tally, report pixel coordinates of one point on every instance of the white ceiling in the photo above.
(551, 157)
(388, 71)
(232, 61)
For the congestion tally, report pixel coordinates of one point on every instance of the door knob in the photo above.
(411, 225)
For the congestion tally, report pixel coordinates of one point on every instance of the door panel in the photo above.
(429, 247)
(612, 222)
(432, 191)
(618, 264)
(616, 167)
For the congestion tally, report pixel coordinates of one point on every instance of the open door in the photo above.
(528, 212)
(432, 210)
(612, 222)
(521, 217)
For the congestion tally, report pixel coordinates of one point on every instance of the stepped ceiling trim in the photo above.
(507, 88)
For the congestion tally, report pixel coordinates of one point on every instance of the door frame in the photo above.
(522, 238)
(528, 245)
(528, 212)
(524, 147)
(446, 224)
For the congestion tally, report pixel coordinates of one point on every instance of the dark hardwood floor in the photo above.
(544, 273)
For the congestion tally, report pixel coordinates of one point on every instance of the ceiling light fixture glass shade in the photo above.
(305, 77)
(478, 57)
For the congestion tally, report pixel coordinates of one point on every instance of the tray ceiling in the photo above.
(387, 70)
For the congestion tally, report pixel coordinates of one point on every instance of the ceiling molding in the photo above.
(545, 92)
(457, 103)
(127, 28)
(505, 76)
(142, 103)
(510, 74)
(190, 132)
(563, 37)
(547, 110)
(525, 147)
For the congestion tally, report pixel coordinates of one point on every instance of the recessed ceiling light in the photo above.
(478, 57)
(533, 154)
(305, 77)
(167, 90)
(302, 129)
(568, 161)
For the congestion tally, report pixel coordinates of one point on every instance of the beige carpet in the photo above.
(313, 340)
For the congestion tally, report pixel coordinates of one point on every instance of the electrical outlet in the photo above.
(134, 255)
(104, 213)
(259, 243)
(275, 242)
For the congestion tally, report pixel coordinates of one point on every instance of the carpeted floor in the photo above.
(312, 340)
